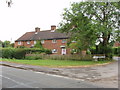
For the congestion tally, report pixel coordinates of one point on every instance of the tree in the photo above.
(90, 22)
(6, 44)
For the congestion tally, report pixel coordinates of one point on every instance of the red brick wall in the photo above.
(48, 45)
(117, 44)
(24, 43)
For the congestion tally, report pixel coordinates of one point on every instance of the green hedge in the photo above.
(116, 51)
(110, 51)
(19, 53)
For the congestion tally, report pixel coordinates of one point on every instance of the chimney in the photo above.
(37, 29)
(53, 27)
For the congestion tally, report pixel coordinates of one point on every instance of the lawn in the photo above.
(55, 63)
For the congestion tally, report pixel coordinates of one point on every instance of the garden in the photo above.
(43, 57)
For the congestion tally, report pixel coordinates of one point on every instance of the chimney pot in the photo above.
(53, 27)
(37, 29)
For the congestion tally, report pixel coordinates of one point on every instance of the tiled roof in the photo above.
(47, 34)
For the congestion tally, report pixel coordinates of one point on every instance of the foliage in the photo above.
(19, 53)
(38, 44)
(90, 22)
(6, 44)
(116, 51)
(7, 52)
(48, 51)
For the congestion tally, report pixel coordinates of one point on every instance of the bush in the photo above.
(33, 57)
(48, 51)
(7, 53)
(19, 54)
(116, 51)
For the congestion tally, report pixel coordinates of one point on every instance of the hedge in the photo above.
(19, 53)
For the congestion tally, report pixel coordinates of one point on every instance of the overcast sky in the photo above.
(24, 15)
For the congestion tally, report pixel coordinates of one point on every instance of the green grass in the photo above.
(55, 63)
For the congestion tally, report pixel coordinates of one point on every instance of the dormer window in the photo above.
(28, 42)
(19, 43)
(54, 41)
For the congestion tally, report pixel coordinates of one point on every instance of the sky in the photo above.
(24, 15)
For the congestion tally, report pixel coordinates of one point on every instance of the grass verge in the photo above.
(56, 63)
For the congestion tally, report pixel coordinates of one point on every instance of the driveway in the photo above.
(103, 75)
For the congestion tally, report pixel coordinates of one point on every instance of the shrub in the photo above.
(7, 53)
(48, 51)
(19, 53)
(35, 57)
(116, 51)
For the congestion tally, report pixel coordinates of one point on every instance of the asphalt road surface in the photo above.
(18, 78)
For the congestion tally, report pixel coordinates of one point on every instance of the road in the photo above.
(18, 78)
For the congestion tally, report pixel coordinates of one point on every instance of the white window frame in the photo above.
(73, 41)
(35, 42)
(54, 50)
(54, 41)
(42, 41)
(64, 40)
(19, 42)
(28, 42)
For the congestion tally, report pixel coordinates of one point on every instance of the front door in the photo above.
(63, 51)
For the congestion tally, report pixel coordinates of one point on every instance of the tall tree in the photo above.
(92, 21)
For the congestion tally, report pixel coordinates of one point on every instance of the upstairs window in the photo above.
(64, 41)
(42, 41)
(54, 51)
(54, 41)
(28, 42)
(34, 42)
(19, 43)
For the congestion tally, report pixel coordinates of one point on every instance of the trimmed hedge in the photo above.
(19, 53)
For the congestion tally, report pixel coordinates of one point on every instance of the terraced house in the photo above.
(50, 39)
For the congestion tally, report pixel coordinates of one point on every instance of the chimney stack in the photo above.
(53, 27)
(37, 29)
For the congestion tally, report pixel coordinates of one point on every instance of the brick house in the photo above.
(116, 44)
(50, 39)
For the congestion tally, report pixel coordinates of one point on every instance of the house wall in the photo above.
(24, 43)
(117, 44)
(48, 45)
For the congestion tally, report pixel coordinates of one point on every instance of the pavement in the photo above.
(103, 75)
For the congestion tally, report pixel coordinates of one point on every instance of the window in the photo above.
(42, 41)
(54, 41)
(73, 41)
(28, 42)
(34, 42)
(19, 43)
(64, 41)
(54, 51)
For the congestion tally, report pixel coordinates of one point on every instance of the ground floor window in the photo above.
(19, 43)
(54, 51)
(28, 42)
